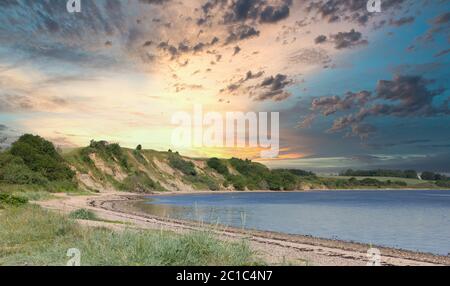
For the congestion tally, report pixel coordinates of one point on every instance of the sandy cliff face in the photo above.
(146, 171)
(101, 167)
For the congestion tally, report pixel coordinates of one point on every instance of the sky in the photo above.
(354, 89)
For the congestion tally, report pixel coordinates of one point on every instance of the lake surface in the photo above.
(414, 220)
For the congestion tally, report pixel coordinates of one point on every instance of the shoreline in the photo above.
(275, 247)
(171, 193)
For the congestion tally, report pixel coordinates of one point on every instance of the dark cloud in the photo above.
(349, 39)
(402, 21)
(272, 14)
(183, 47)
(439, 24)
(404, 96)
(442, 19)
(241, 11)
(442, 53)
(333, 104)
(273, 88)
(250, 75)
(237, 85)
(412, 93)
(3, 127)
(240, 33)
(320, 39)
(236, 51)
(350, 10)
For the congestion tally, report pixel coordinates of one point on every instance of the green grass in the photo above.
(409, 182)
(32, 236)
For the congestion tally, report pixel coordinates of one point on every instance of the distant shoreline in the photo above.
(170, 193)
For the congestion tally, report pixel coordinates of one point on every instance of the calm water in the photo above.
(414, 220)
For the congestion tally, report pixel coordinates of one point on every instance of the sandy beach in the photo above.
(274, 248)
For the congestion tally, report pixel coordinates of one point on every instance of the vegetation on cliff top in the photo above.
(32, 160)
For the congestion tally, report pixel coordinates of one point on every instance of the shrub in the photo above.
(16, 172)
(11, 200)
(285, 179)
(108, 152)
(237, 181)
(186, 167)
(83, 214)
(218, 165)
(40, 156)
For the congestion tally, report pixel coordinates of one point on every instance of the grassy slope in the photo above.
(30, 235)
(147, 170)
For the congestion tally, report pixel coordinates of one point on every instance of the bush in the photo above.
(108, 152)
(83, 214)
(218, 165)
(186, 167)
(40, 156)
(282, 180)
(14, 171)
(11, 200)
(238, 182)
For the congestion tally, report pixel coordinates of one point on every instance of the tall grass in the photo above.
(33, 236)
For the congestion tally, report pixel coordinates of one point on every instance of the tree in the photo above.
(40, 156)
(428, 176)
